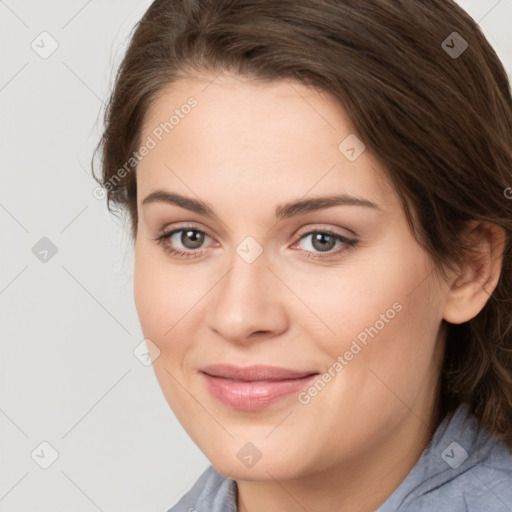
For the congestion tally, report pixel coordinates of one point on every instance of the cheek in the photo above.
(158, 295)
(161, 301)
(338, 305)
(170, 304)
(388, 363)
(382, 315)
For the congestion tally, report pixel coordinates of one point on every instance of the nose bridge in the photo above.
(242, 291)
(245, 300)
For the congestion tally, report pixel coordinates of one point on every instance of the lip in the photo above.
(253, 388)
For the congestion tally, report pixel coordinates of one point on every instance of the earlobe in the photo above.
(471, 287)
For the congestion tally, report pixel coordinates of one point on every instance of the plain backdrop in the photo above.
(74, 397)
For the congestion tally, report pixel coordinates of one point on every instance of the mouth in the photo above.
(253, 388)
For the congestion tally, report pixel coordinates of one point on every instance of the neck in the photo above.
(358, 485)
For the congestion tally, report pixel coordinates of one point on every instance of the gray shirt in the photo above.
(462, 469)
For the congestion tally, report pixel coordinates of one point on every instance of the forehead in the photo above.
(272, 139)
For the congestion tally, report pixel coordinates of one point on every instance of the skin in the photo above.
(244, 149)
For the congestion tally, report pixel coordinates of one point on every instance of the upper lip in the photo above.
(254, 373)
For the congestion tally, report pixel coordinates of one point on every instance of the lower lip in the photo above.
(255, 395)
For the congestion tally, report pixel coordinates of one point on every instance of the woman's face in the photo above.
(291, 339)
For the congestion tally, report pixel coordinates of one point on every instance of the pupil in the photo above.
(320, 237)
(195, 236)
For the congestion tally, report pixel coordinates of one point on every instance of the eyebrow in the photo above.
(283, 211)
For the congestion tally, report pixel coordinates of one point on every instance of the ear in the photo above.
(474, 282)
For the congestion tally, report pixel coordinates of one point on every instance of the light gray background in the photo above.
(69, 325)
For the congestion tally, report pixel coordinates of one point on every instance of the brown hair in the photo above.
(440, 123)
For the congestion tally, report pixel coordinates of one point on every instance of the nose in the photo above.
(248, 304)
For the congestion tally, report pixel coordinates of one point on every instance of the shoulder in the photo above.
(462, 469)
(486, 486)
(211, 491)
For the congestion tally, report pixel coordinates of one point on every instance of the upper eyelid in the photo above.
(184, 227)
(333, 231)
(299, 232)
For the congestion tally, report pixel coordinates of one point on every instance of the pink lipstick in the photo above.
(253, 388)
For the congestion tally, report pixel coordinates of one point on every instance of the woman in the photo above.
(323, 261)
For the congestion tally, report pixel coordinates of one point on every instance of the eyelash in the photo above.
(191, 253)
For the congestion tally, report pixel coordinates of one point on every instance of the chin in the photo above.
(271, 466)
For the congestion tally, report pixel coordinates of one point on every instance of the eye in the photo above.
(322, 242)
(186, 242)
(183, 242)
